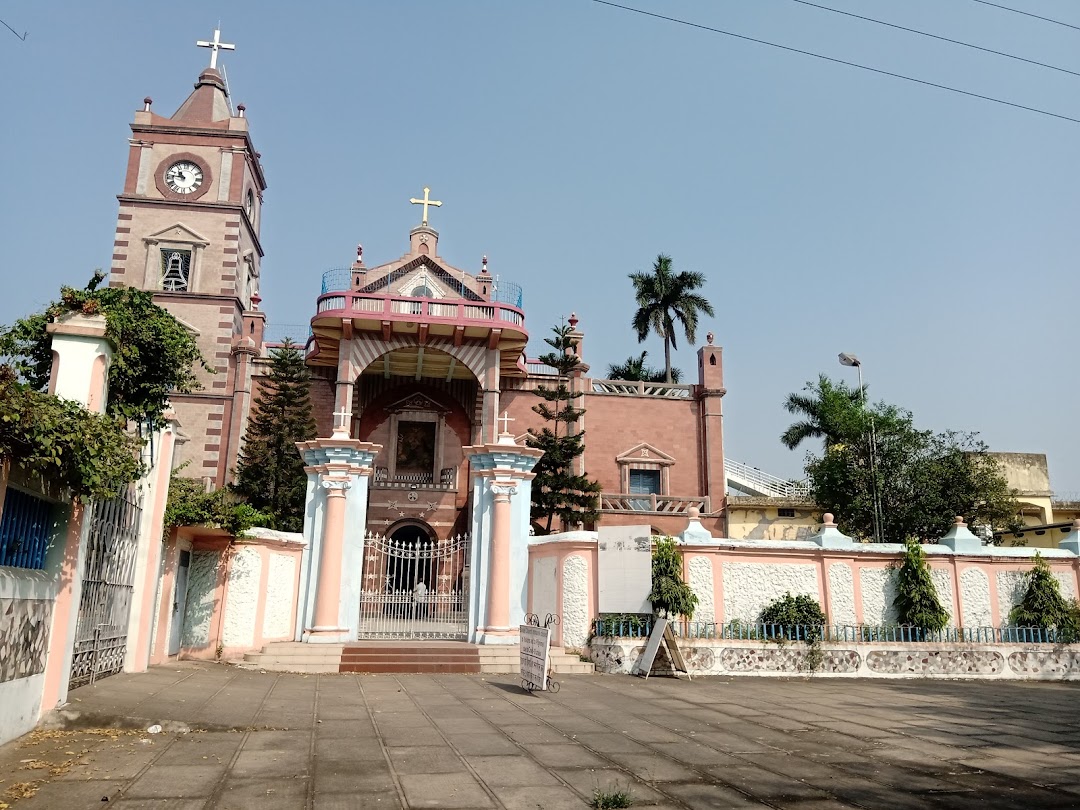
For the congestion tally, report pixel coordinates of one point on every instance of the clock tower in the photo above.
(188, 229)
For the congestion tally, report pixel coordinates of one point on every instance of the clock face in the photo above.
(184, 177)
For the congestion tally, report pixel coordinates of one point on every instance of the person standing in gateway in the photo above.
(419, 596)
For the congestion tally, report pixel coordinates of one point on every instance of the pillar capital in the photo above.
(330, 455)
(334, 486)
(503, 488)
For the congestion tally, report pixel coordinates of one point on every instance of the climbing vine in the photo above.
(94, 455)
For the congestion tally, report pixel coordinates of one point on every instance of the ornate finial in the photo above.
(241, 108)
(425, 202)
(483, 265)
(959, 521)
(359, 253)
(709, 338)
(215, 46)
(828, 520)
(573, 320)
(256, 299)
(146, 103)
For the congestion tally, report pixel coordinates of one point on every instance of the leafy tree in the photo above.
(94, 455)
(154, 354)
(270, 473)
(557, 491)
(670, 596)
(665, 298)
(917, 601)
(793, 617)
(923, 479)
(634, 368)
(1044, 606)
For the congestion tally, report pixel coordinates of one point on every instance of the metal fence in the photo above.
(641, 627)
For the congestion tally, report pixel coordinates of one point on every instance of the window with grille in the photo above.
(176, 270)
(24, 530)
(785, 513)
(644, 482)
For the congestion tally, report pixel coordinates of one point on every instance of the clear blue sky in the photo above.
(832, 210)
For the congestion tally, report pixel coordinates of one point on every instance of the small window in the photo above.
(785, 513)
(423, 291)
(644, 482)
(175, 270)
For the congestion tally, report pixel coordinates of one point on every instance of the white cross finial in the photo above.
(215, 46)
(506, 420)
(341, 421)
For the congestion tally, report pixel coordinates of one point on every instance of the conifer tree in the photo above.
(670, 596)
(270, 474)
(1043, 605)
(917, 601)
(557, 491)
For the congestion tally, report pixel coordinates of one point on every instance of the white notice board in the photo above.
(534, 654)
(624, 569)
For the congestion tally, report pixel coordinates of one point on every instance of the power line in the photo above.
(1027, 14)
(21, 36)
(838, 61)
(935, 36)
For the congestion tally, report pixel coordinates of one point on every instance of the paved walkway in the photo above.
(237, 739)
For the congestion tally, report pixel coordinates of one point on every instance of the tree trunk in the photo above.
(667, 358)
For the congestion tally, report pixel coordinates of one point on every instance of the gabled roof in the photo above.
(435, 269)
(177, 232)
(645, 452)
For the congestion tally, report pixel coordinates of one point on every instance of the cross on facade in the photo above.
(425, 202)
(215, 46)
(341, 420)
(506, 420)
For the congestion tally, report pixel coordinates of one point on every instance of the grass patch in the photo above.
(607, 799)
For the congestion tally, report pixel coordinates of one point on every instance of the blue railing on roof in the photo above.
(337, 280)
(641, 627)
(24, 530)
(507, 292)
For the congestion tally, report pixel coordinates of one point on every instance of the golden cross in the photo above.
(425, 202)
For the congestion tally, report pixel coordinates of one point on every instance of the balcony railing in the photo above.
(447, 479)
(653, 504)
(640, 388)
(394, 307)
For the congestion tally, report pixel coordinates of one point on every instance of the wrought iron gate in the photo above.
(415, 589)
(107, 585)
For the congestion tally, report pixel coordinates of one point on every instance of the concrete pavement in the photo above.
(236, 739)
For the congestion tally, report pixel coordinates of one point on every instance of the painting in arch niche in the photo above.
(415, 447)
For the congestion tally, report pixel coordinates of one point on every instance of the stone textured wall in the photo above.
(1011, 586)
(280, 593)
(841, 594)
(749, 587)
(245, 575)
(202, 581)
(575, 602)
(701, 581)
(24, 637)
(878, 587)
(726, 657)
(975, 598)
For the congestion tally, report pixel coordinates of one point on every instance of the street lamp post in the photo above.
(847, 359)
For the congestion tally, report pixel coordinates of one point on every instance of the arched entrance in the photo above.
(415, 585)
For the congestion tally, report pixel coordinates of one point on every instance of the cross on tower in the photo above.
(506, 420)
(215, 46)
(425, 202)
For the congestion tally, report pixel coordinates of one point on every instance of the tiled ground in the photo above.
(267, 741)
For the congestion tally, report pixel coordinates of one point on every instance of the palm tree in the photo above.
(634, 368)
(665, 297)
(831, 411)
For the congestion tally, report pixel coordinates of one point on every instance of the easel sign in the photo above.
(661, 634)
(534, 651)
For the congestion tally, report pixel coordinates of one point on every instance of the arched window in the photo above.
(423, 291)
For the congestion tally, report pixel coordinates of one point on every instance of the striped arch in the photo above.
(366, 350)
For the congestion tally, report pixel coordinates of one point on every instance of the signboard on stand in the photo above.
(661, 634)
(534, 656)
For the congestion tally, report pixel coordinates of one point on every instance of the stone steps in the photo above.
(386, 657)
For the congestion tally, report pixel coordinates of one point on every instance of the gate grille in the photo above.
(392, 606)
(107, 585)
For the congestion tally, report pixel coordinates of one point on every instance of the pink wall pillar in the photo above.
(498, 607)
(328, 589)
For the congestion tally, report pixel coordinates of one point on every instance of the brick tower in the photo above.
(188, 229)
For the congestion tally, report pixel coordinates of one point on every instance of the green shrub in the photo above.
(670, 596)
(917, 601)
(1044, 606)
(788, 612)
(614, 624)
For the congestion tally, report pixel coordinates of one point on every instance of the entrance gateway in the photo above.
(414, 586)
